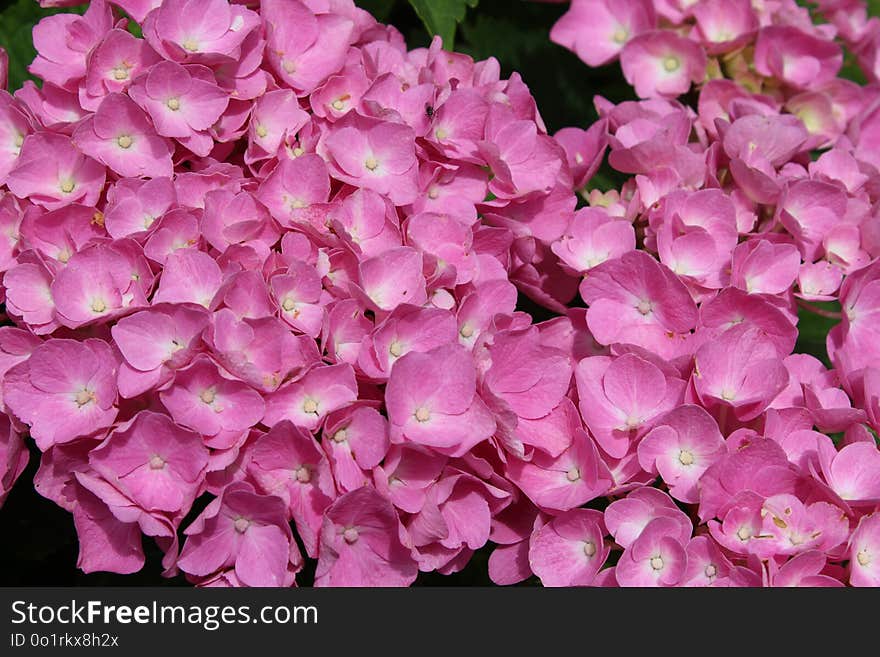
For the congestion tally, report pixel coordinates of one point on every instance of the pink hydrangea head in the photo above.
(864, 548)
(64, 391)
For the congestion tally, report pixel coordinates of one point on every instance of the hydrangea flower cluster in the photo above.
(755, 203)
(263, 265)
(260, 261)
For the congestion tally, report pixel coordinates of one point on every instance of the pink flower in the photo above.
(570, 549)
(374, 154)
(14, 456)
(596, 30)
(355, 441)
(64, 391)
(620, 398)
(864, 552)
(592, 238)
(304, 48)
(245, 531)
(393, 278)
(120, 136)
(633, 299)
(199, 30)
(182, 101)
(364, 544)
(659, 63)
(575, 477)
(655, 558)
(800, 59)
(53, 173)
(288, 463)
(681, 447)
(155, 462)
(219, 408)
(308, 401)
(431, 400)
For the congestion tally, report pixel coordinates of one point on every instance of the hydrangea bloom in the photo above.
(262, 267)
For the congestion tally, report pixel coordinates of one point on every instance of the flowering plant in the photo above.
(262, 279)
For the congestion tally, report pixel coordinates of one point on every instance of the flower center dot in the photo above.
(84, 397)
(657, 563)
(433, 193)
(98, 306)
(644, 306)
(340, 436)
(207, 396)
(589, 548)
(711, 570)
(728, 395)
(310, 406)
(371, 163)
(190, 44)
(288, 305)
(620, 35)
(261, 131)
(743, 533)
(350, 535)
(396, 349)
(241, 525)
(573, 474)
(156, 462)
(123, 141)
(298, 151)
(685, 457)
(422, 414)
(466, 331)
(338, 105)
(120, 73)
(671, 64)
(863, 558)
(67, 186)
(173, 104)
(18, 140)
(303, 474)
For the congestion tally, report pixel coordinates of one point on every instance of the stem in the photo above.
(830, 314)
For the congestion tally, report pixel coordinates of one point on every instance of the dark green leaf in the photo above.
(442, 16)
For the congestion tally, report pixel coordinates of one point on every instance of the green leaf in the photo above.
(442, 16)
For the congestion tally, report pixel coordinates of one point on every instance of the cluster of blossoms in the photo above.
(263, 265)
(758, 201)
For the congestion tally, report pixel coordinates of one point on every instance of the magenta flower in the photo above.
(373, 154)
(156, 463)
(287, 462)
(64, 391)
(245, 531)
(796, 57)
(13, 457)
(217, 407)
(308, 401)
(620, 399)
(598, 29)
(364, 544)
(659, 63)
(636, 300)
(120, 136)
(570, 549)
(431, 399)
(864, 552)
(680, 448)
(655, 558)
(52, 172)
